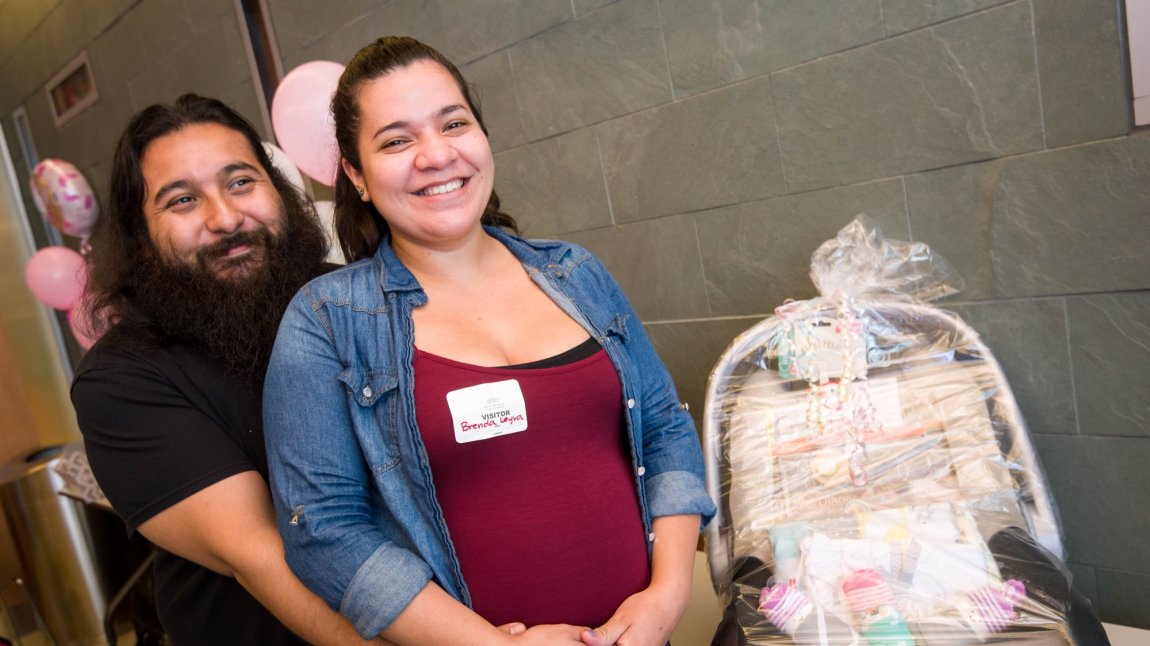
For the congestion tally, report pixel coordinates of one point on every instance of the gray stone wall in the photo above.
(140, 52)
(704, 148)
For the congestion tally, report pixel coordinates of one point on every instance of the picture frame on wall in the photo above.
(72, 90)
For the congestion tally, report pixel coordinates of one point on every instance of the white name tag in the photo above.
(487, 410)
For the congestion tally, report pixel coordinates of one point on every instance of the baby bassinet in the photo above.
(875, 480)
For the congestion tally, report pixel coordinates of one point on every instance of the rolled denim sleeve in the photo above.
(672, 455)
(326, 507)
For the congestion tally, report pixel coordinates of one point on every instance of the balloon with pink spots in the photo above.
(64, 197)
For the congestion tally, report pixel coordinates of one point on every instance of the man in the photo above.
(202, 246)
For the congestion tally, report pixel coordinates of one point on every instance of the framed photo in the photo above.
(72, 90)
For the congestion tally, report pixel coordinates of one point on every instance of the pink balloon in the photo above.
(64, 197)
(301, 118)
(82, 329)
(56, 276)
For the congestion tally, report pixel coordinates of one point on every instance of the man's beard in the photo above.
(234, 318)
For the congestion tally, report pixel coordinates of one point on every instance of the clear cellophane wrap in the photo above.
(875, 479)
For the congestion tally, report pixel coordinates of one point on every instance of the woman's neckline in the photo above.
(588, 348)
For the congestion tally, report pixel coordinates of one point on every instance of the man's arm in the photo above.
(229, 527)
(434, 617)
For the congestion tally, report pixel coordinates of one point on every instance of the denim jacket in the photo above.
(350, 476)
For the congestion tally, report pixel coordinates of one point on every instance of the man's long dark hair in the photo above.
(120, 237)
(358, 224)
(139, 297)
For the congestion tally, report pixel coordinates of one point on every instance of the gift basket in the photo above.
(875, 480)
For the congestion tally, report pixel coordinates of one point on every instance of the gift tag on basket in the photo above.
(822, 350)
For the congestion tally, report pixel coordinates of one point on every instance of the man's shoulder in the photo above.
(136, 376)
(122, 351)
(120, 347)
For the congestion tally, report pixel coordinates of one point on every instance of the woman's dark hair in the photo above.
(120, 237)
(358, 224)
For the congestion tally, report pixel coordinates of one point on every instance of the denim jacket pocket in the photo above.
(375, 393)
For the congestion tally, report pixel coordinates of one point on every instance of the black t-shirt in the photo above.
(159, 424)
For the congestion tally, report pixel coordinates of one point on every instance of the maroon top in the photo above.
(546, 521)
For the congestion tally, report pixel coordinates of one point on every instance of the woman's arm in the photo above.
(648, 617)
(671, 458)
(672, 475)
(319, 479)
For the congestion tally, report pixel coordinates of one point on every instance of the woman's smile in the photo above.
(440, 189)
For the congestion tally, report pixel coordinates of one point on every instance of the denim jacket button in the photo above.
(367, 392)
(641, 470)
(651, 537)
(630, 403)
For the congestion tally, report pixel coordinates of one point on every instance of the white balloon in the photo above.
(284, 165)
(326, 211)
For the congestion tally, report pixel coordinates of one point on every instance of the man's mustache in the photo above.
(220, 248)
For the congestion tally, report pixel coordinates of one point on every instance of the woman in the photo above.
(465, 428)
